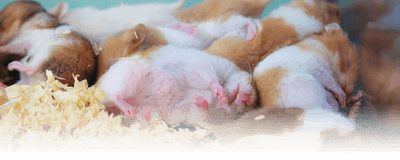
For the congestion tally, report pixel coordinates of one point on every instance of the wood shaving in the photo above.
(53, 113)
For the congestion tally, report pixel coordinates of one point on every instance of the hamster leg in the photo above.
(128, 110)
(246, 98)
(354, 112)
(113, 110)
(16, 47)
(238, 22)
(21, 67)
(189, 29)
(200, 102)
(330, 83)
(354, 100)
(242, 97)
(146, 113)
(218, 91)
(331, 100)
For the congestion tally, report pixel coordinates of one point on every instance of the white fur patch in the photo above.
(213, 30)
(294, 16)
(98, 24)
(182, 39)
(65, 29)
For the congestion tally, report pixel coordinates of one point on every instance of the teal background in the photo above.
(101, 4)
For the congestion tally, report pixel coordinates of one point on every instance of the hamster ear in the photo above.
(200, 102)
(59, 10)
(330, 28)
(178, 5)
(137, 34)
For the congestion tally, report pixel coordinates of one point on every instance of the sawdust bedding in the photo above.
(51, 117)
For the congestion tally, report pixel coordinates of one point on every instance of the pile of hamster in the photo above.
(205, 65)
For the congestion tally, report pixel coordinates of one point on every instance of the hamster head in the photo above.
(13, 16)
(345, 56)
(240, 90)
(120, 45)
(324, 12)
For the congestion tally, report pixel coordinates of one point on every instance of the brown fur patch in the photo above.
(211, 10)
(14, 15)
(236, 50)
(268, 86)
(126, 44)
(247, 54)
(43, 20)
(307, 47)
(77, 58)
(323, 11)
(274, 35)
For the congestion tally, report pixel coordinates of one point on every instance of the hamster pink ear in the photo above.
(330, 28)
(59, 10)
(200, 102)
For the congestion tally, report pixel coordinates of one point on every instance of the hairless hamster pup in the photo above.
(188, 85)
(46, 45)
(284, 26)
(305, 74)
(98, 24)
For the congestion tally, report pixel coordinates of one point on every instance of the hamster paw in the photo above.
(128, 110)
(354, 112)
(200, 102)
(2, 85)
(113, 110)
(251, 31)
(218, 91)
(341, 98)
(354, 100)
(146, 114)
(246, 98)
(21, 67)
(190, 29)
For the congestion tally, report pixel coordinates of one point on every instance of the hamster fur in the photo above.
(304, 74)
(284, 26)
(115, 19)
(196, 92)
